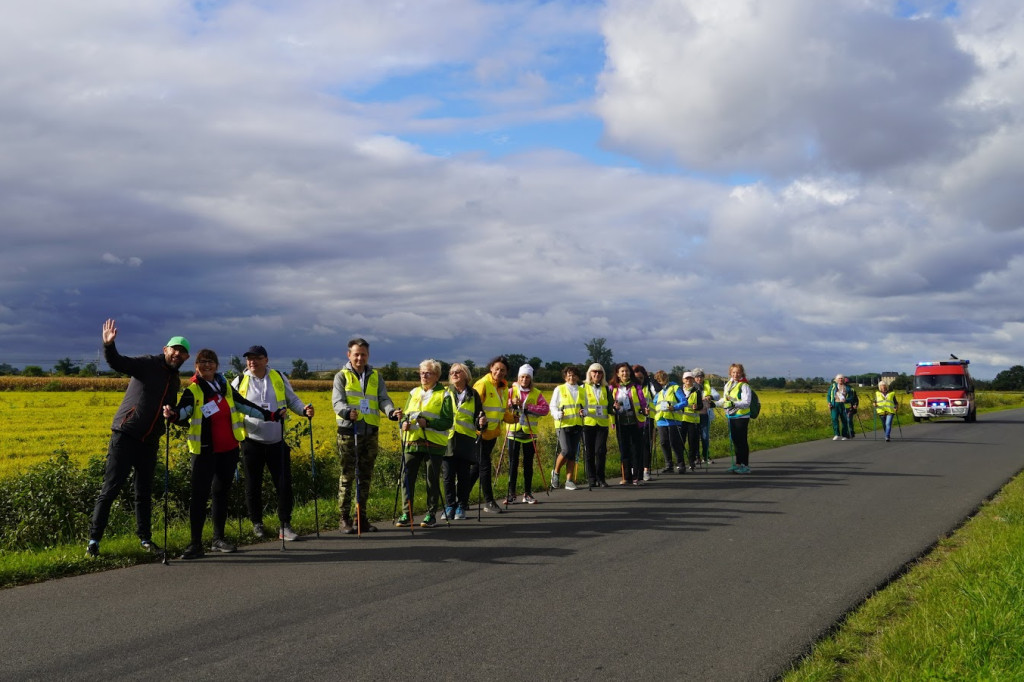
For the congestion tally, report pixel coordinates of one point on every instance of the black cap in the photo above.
(254, 350)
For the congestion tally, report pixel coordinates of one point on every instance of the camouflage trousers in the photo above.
(347, 482)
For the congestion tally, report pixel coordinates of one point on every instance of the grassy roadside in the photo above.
(956, 614)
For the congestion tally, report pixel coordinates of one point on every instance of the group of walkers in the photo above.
(843, 404)
(450, 432)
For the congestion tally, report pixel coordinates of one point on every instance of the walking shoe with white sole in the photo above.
(668, 470)
(428, 521)
(259, 531)
(554, 479)
(287, 534)
(93, 549)
(222, 545)
(510, 499)
(152, 547)
(460, 514)
(493, 508)
(528, 499)
(403, 521)
(569, 485)
(447, 514)
(647, 475)
(193, 552)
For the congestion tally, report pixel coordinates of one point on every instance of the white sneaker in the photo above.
(554, 479)
(835, 437)
(647, 475)
(569, 485)
(843, 438)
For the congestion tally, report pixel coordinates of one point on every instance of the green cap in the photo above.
(179, 341)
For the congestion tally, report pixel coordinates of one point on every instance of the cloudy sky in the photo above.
(801, 186)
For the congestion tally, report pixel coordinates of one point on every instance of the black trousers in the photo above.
(515, 448)
(738, 434)
(212, 474)
(256, 455)
(595, 451)
(432, 463)
(671, 442)
(631, 451)
(124, 454)
(459, 470)
(484, 470)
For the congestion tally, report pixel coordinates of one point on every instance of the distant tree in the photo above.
(300, 370)
(237, 364)
(902, 383)
(90, 370)
(598, 352)
(515, 361)
(677, 372)
(391, 372)
(6, 369)
(65, 368)
(471, 366)
(552, 372)
(1009, 379)
(33, 371)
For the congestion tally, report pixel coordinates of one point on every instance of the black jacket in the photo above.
(153, 384)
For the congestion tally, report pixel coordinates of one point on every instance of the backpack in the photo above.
(755, 404)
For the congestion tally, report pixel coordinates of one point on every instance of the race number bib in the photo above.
(210, 409)
(599, 412)
(364, 406)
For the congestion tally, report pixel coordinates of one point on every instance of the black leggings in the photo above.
(528, 451)
(211, 475)
(595, 451)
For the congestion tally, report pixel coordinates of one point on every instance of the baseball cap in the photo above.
(179, 341)
(254, 350)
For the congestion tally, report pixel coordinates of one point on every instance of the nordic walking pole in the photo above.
(440, 492)
(586, 455)
(359, 507)
(874, 417)
(237, 479)
(167, 467)
(536, 453)
(281, 484)
(861, 422)
(316, 497)
(479, 483)
(898, 425)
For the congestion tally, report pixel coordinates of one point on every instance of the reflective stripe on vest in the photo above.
(885, 403)
(195, 422)
(494, 403)
(354, 395)
(429, 409)
(570, 406)
(591, 402)
(463, 414)
(276, 381)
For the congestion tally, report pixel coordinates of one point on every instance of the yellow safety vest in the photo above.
(690, 414)
(524, 429)
(494, 406)
(354, 395)
(594, 397)
(667, 395)
(464, 417)
(635, 404)
(733, 393)
(570, 406)
(429, 409)
(195, 422)
(885, 404)
(276, 381)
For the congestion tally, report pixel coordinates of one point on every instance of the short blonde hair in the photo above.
(882, 383)
(462, 368)
(433, 365)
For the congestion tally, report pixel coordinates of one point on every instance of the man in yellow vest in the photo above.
(359, 397)
(264, 441)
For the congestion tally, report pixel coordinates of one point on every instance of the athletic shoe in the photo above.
(707, 462)
(681, 469)
(638, 482)
(604, 483)
(447, 513)
(835, 437)
(493, 507)
(193, 552)
(528, 499)
(366, 526)
(259, 531)
(733, 468)
(647, 475)
(403, 521)
(428, 521)
(221, 545)
(92, 550)
(286, 533)
(554, 479)
(569, 485)
(668, 470)
(460, 514)
(743, 469)
(510, 499)
(693, 467)
(886, 439)
(346, 527)
(843, 438)
(152, 547)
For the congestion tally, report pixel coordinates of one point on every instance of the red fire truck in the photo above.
(943, 389)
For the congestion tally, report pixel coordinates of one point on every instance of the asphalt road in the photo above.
(710, 576)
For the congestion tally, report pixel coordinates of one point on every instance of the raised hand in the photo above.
(109, 331)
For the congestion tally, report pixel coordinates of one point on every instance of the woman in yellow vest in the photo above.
(529, 405)
(492, 389)
(885, 407)
(666, 407)
(566, 404)
(214, 413)
(461, 462)
(630, 416)
(736, 401)
(428, 417)
(597, 410)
